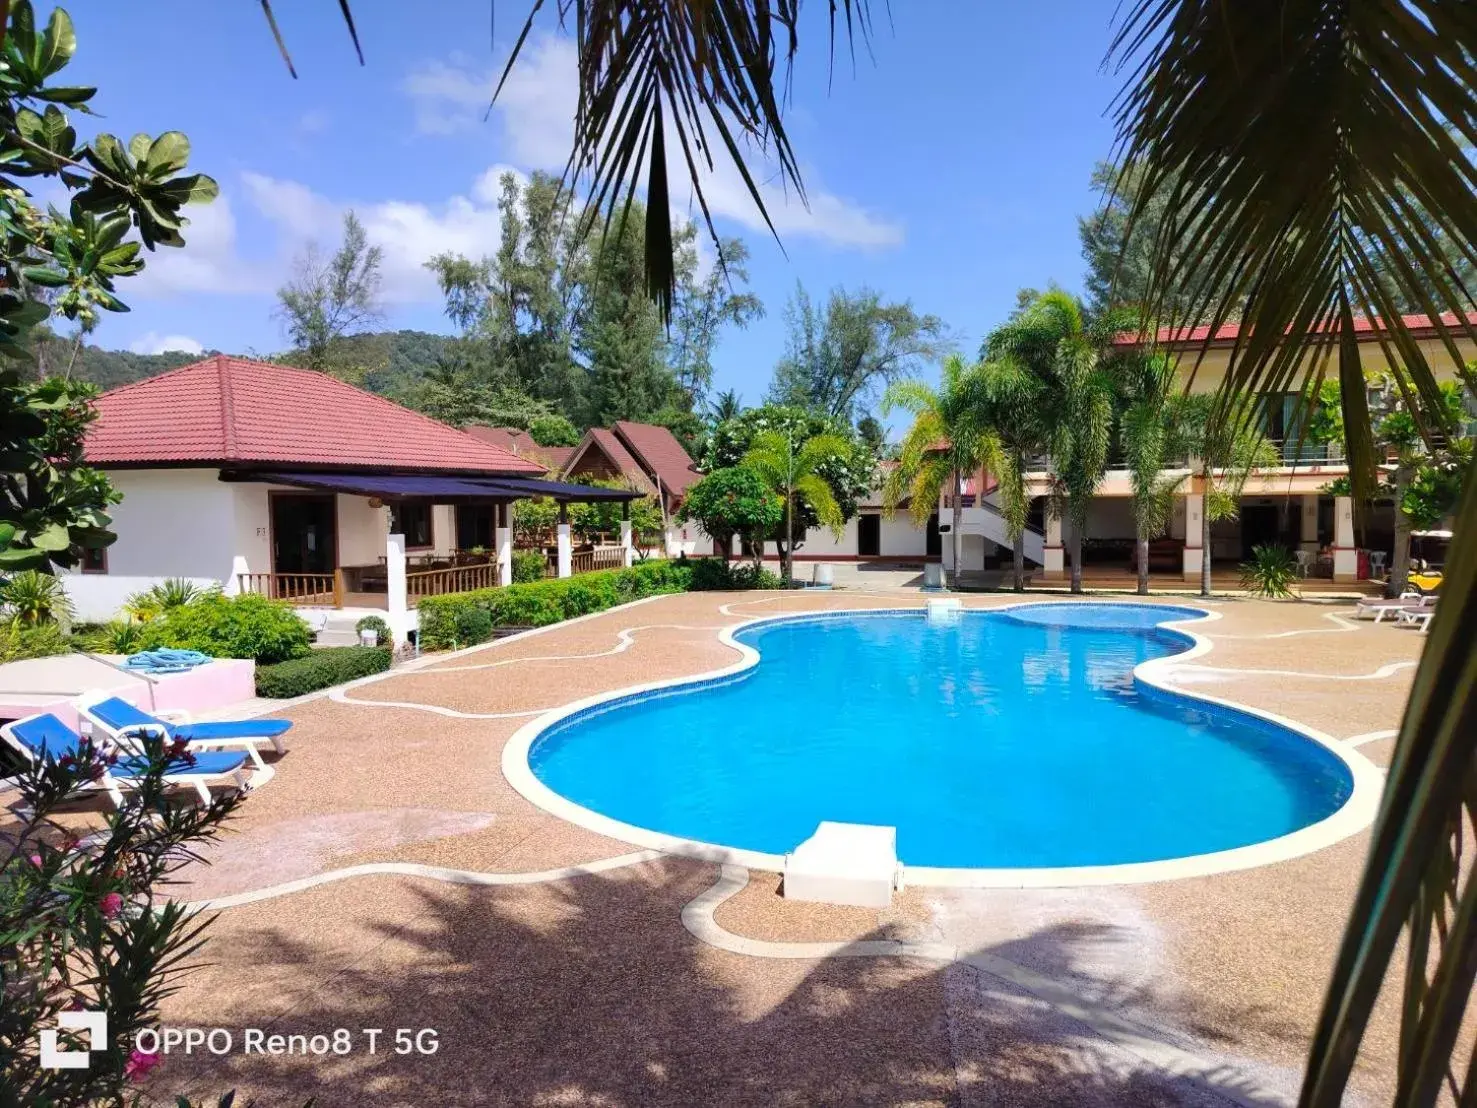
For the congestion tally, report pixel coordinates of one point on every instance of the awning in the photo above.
(443, 489)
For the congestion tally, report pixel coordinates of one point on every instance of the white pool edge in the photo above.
(1354, 815)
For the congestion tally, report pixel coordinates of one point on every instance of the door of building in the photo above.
(1261, 524)
(304, 538)
(934, 544)
(869, 535)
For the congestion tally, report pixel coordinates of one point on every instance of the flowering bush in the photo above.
(81, 925)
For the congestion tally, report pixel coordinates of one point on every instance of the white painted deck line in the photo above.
(1369, 737)
(1142, 1042)
(432, 873)
(1387, 670)
(1357, 812)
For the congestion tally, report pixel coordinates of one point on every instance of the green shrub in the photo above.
(716, 575)
(444, 623)
(32, 598)
(121, 636)
(18, 641)
(172, 592)
(231, 627)
(1271, 572)
(329, 665)
(380, 628)
(528, 566)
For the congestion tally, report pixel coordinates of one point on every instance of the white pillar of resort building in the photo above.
(1193, 555)
(629, 550)
(566, 548)
(398, 615)
(1345, 554)
(1308, 533)
(504, 540)
(239, 569)
(1054, 563)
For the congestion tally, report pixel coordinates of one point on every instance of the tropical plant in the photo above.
(32, 598)
(161, 597)
(946, 443)
(1011, 402)
(528, 566)
(725, 406)
(793, 471)
(1053, 340)
(1228, 450)
(1271, 572)
(851, 473)
(43, 640)
(64, 259)
(118, 636)
(84, 923)
(1153, 431)
(734, 501)
(246, 626)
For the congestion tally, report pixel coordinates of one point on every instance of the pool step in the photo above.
(844, 863)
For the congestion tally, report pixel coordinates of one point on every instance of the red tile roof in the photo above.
(520, 442)
(228, 411)
(1229, 332)
(660, 452)
(615, 451)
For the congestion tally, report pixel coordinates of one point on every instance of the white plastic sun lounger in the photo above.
(1419, 618)
(125, 724)
(1410, 600)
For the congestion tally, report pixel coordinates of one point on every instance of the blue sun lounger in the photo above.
(123, 722)
(43, 736)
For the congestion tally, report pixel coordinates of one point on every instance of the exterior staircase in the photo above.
(983, 518)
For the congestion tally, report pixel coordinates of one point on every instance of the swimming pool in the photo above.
(1012, 739)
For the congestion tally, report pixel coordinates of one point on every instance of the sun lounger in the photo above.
(1407, 601)
(44, 735)
(1416, 617)
(124, 722)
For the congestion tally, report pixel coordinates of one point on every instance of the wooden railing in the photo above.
(308, 589)
(602, 557)
(435, 582)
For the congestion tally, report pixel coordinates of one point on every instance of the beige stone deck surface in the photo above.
(590, 991)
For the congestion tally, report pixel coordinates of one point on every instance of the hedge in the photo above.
(457, 619)
(245, 626)
(328, 665)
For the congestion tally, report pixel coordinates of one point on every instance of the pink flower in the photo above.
(139, 1064)
(36, 860)
(111, 904)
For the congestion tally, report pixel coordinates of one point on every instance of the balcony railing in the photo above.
(438, 582)
(601, 557)
(311, 590)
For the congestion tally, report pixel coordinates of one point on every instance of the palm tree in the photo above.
(725, 406)
(1052, 340)
(945, 443)
(793, 472)
(1152, 429)
(1010, 402)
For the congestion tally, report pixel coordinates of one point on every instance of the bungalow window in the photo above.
(94, 560)
(413, 520)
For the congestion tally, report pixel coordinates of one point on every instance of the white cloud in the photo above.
(313, 122)
(408, 232)
(536, 111)
(209, 261)
(155, 343)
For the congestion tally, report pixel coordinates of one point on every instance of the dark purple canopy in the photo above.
(425, 486)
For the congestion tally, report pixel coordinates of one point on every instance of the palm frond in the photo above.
(813, 489)
(705, 74)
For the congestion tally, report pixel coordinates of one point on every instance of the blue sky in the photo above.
(949, 171)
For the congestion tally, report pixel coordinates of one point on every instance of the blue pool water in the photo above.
(1004, 739)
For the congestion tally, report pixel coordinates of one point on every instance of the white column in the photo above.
(566, 551)
(504, 539)
(630, 550)
(232, 585)
(1308, 532)
(1056, 562)
(399, 616)
(1345, 555)
(1193, 555)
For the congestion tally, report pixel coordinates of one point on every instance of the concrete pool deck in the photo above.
(661, 980)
